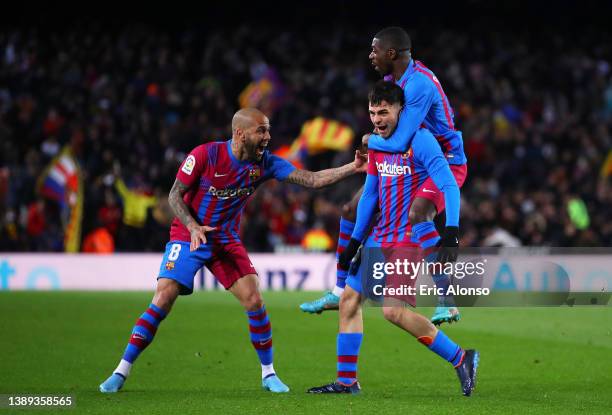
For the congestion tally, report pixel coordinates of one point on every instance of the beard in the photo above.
(252, 149)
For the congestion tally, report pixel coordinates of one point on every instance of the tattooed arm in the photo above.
(317, 179)
(178, 205)
(181, 210)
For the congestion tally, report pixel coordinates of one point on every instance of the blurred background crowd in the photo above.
(130, 100)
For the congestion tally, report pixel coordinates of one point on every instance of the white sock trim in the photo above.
(124, 368)
(267, 370)
(337, 291)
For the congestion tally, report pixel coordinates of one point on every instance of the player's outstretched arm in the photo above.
(180, 209)
(322, 178)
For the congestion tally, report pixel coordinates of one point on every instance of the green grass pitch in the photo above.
(533, 360)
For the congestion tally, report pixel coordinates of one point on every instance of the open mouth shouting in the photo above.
(382, 130)
(261, 148)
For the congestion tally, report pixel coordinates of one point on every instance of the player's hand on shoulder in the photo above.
(364, 140)
(198, 235)
(361, 161)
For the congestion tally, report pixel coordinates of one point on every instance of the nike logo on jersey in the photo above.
(220, 175)
(428, 191)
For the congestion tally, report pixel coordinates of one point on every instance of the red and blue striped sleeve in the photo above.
(368, 201)
(420, 95)
(193, 166)
(427, 150)
(279, 167)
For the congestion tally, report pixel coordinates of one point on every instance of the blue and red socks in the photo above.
(142, 335)
(261, 338)
(444, 347)
(348, 345)
(346, 230)
(426, 235)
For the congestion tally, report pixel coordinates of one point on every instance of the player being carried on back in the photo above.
(211, 189)
(392, 182)
(426, 105)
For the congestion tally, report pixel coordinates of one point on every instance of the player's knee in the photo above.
(349, 212)
(253, 302)
(414, 217)
(349, 302)
(393, 314)
(421, 212)
(165, 297)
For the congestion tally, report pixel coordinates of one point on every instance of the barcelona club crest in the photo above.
(407, 153)
(169, 265)
(254, 173)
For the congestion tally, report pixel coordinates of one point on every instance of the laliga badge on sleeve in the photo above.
(188, 165)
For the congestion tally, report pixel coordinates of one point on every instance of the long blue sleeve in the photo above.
(366, 207)
(419, 98)
(427, 151)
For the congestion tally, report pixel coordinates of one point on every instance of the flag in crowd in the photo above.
(62, 182)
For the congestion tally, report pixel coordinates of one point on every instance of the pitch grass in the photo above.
(536, 360)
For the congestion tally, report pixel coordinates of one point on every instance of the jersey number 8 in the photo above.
(174, 252)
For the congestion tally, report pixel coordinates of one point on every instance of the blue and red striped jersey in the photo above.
(392, 183)
(399, 177)
(219, 187)
(428, 107)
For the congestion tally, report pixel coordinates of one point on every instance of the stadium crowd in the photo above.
(535, 109)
